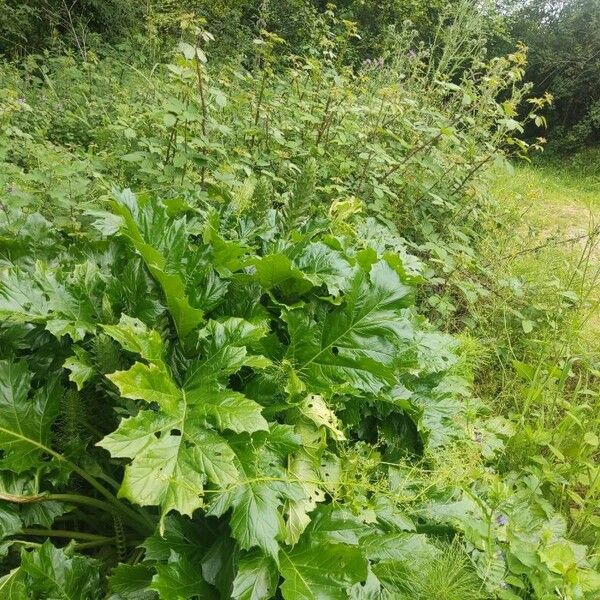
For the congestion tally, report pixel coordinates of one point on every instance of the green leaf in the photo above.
(278, 271)
(225, 254)
(20, 299)
(25, 423)
(559, 557)
(151, 383)
(134, 336)
(362, 342)
(12, 586)
(321, 572)
(227, 409)
(181, 535)
(185, 316)
(315, 409)
(51, 573)
(130, 582)
(81, 367)
(181, 579)
(172, 457)
(224, 348)
(256, 578)
(322, 265)
(256, 499)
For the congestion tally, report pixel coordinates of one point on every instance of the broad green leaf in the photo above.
(223, 345)
(20, 299)
(227, 409)
(10, 521)
(225, 254)
(174, 450)
(256, 499)
(316, 410)
(322, 265)
(181, 535)
(303, 467)
(185, 316)
(51, 573)
(321, 572)
(134, 336)
(172, 458)
(12, 586)
(151, 383)
(256, 578)
(131, 582)
(25, 422)
(181, 579)
(362, 342)
(81, 367)
(559, 557)
(278, 271)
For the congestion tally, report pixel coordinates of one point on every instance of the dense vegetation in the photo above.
(266, 328)
(564, 42)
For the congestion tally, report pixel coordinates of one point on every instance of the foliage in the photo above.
(564, 49)
(239, 382)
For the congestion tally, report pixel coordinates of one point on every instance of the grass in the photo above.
(557, 245)
(543, 329)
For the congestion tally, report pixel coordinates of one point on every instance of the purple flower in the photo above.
(502, 520)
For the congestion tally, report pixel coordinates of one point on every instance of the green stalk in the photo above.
(64, 533)
(145, 525)
(94, 544)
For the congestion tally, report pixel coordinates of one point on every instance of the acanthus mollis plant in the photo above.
(206, 398)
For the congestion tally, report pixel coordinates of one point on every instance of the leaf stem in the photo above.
(144, 524)
(64, 533)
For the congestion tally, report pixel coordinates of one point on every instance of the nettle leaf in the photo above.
(49, 572)
(360, 343)
(161, 243)
(25, 422)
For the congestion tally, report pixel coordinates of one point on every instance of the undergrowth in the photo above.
(292, 363)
